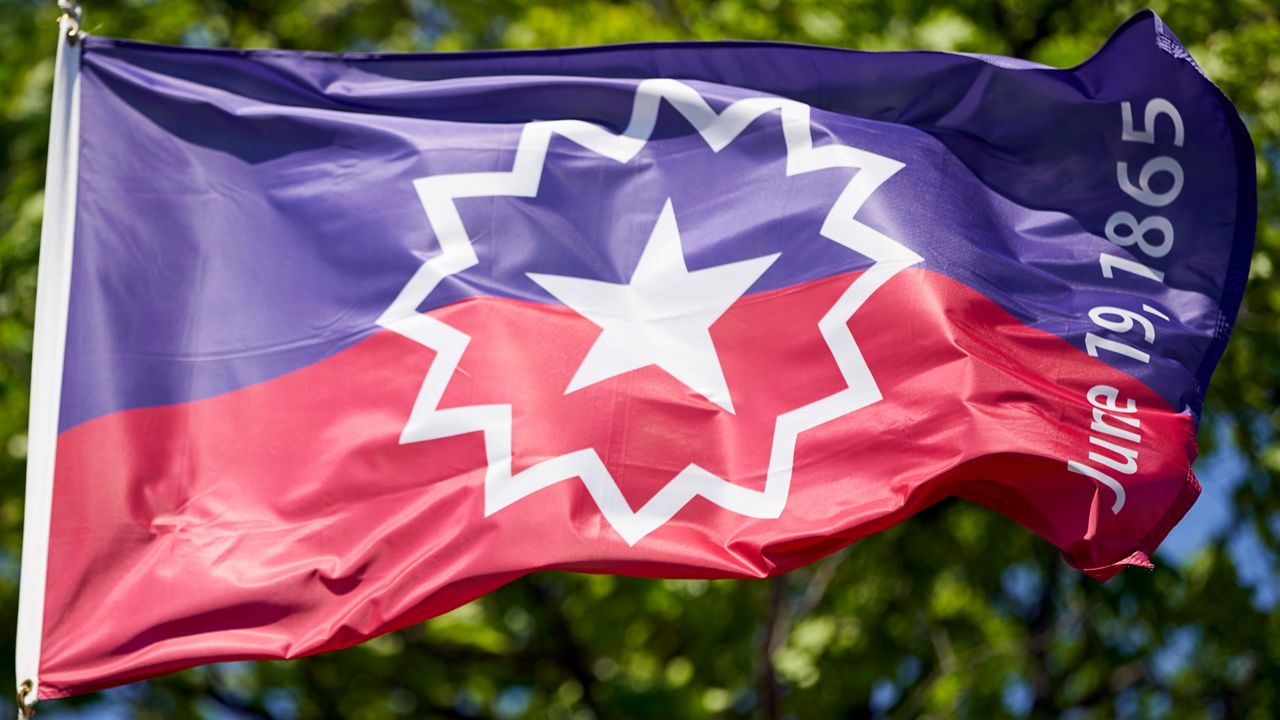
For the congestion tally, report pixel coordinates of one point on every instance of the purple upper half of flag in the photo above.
(281, 186)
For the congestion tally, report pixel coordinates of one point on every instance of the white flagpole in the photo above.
(52, 302)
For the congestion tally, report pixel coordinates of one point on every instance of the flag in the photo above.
(330, 344)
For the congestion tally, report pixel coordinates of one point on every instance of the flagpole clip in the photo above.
(70, 19)
(26, 707)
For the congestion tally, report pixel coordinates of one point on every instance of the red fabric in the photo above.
(285, 518)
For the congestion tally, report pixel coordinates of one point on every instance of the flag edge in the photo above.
(48, 353)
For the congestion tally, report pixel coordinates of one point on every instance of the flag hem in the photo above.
(103, 42)
(49, 348)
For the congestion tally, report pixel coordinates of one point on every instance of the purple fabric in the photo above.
(282, 220)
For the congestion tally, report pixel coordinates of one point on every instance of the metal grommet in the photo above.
(26, 708)
(71, 14)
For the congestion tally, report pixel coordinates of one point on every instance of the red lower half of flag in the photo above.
(287, 518)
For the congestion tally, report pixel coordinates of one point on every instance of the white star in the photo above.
(439, 195)
(662, 317)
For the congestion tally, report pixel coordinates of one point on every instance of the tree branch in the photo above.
(572, 656)
(780, 616)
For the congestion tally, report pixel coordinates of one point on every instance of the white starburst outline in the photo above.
(438, 194)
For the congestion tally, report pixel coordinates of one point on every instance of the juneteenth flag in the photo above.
(328, 344)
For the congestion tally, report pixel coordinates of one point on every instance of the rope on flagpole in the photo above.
(26, 709)
(70, 19)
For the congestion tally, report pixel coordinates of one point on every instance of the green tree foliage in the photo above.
(957, 612)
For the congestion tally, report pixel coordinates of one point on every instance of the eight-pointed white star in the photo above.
(662, 317)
